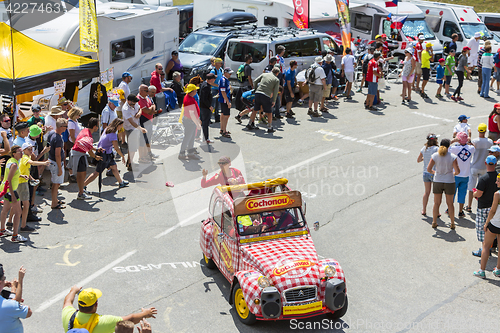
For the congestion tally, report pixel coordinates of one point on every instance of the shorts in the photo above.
(439, 81)
(148, 125)
(428, 177)
(226, 111)
(481, 216)
(426, 73)
(372, 88)
(496, 75)
(447, 188)
(335, 82)
(418, 69)
(472, 60)
(448, 79)
(54, 170)
(288, 96)
(315, 93)
(263, 101)
(23, 191)
(474, 176)
(327, 91)
(9, 198)
(133, 138)
(349, 76)
(408, 79)
(108, 160)
(493, 229)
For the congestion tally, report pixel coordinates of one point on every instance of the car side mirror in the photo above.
(316, 226)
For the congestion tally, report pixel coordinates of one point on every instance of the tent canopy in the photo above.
(37, 66)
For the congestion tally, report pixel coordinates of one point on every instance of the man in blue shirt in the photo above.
(225, 101)
(289, 88)
(11, 310)
(218, 71)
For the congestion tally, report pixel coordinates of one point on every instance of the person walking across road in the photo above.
(426, 152)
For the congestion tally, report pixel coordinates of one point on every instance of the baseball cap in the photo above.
(383, 36)
(36, 108)
(421, 37)
(126, 74)
(114, 101)
(466, 48)
(228, 70)
(217, 60)
(497, 106)
(494, 149)
(429, 45)
(462, 138)
(62, 100)
(431, 136)
(89, 296)
(378, 36)
(441, 60)
(318, 59)
(482, 127)
(26, 145)
(462, 117)
(491, 159)
(224, 160)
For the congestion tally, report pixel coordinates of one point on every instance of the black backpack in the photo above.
(311, 74)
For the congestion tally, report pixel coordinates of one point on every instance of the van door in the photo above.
(450, 28)
(237, 49)
(301, 50)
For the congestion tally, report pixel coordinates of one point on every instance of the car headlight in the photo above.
(263, 282)
(198, 70)
(330, 272)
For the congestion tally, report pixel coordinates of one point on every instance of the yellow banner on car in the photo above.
(89, 32)
(277, 236)
(300, 309)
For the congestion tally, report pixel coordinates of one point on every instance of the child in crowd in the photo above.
(462, 126)
(439, 77)
(449, 69)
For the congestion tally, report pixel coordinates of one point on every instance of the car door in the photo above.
(217, 230)
(228, 245)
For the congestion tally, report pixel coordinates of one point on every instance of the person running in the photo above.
(494, 123)
(449, 70)
(461, 70)
(407, 75)
(426, 152)
(464, 153)
(444, 181)
(439, 77)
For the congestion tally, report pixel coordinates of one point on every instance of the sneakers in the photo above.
(250, 127)
(461, 214)
(72, 178)
(270, 130)
(33, 218)
(453, 98)
(310, 112)
(359, 90)
(5, 232)
(292, 113)
(123, 184)
(477, 253)
(238, 118)
(18, 239)
(496, 272)
(315, 114)
(282, 109)
(459, 98)
(84, 196)
(480, 274)
(182, 157)
(27, 229)
(289, 115)
(36, 209)
(153, 155)
(439, 96)
(209, 141)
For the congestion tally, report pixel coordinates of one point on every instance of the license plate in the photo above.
(304, 308)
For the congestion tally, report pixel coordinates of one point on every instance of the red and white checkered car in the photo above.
(261, 243)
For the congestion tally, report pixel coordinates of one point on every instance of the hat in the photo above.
(462, 138)
(491, 159)
(496, 106)
(429, 45)
(477, 35)
(35, 130)
(26, 145)
(383, 36)
(453, 50)
(421, 37)
(494, 149)
(441, 60)
(20, 126)
(431, 136)
(190, 87)
(126, 74)
(482, 127)
(174, 52)
(378, 36)
(409, 50)
(466, 48)
(463, 117)
(85, 143)
(36, 108)
(62, 100)
(318, 59)
(228, 70)
(328, 58)
(217, 60)
(78, 330)
(114, 101)
(89, 296)
(56, 111)
(224, 160)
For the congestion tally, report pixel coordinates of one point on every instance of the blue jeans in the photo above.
(485, 87)
(461, 188)
(216, 104)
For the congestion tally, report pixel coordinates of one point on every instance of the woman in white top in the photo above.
(444, 180)
(408, 75)
(425, 155)
(491, 231)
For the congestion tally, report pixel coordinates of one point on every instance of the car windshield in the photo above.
(412, 28)
(277, 220)
(201, 44)
(470, 29)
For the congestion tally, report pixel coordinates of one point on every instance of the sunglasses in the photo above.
(6, 121)
(36, 111)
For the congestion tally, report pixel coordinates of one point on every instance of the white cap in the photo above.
(477, 35)
(421, 37)
(26, 145)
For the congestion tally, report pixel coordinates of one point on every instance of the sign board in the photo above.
(267, 202)
(60, 86)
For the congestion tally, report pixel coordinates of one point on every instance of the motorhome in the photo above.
(371, 19)
(132, 38)
(446, 19)
(491, 20)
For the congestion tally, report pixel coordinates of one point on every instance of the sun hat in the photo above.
(190, 87)
(56, 111)
(26, 145)
(477, 35)
(35, 130)
(318, 59)
(462, 138)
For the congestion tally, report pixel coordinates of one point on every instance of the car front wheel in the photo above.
(240, 305)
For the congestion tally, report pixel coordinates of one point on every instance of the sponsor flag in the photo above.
(398, 21)
(345, 22)
(301, 13)
(89, 32)
(393, 3)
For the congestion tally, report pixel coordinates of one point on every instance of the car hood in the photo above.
(287, 262)
(191, 60)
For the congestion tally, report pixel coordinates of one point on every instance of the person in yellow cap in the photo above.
(86, 316)
(191, 122)
(427, 55)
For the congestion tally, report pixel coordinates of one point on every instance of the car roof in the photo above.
(272, 34)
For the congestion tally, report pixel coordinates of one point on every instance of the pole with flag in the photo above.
(301, 13)
(345, 22)
(89, 32)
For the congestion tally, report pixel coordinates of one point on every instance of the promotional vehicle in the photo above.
(262, 245)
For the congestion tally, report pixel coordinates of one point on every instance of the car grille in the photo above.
(300, 294)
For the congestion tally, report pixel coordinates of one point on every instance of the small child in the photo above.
(462, 126)
(439, 77)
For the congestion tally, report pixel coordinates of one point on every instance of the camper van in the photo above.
(446, 19)
(132, 38)
(370, 20)
(491, 20)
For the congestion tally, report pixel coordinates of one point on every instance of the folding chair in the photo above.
(393, 68)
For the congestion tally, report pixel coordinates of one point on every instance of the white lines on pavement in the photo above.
(149, 267)
(478, 117)
(304, 162)
(169, 230)
(433, 117)
(85, 281)
(403, 130)
(365, 142)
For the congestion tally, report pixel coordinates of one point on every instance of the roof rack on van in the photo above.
(232, 19)
(273, 32)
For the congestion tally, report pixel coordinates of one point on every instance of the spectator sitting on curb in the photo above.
(11, 310)
(86, 316)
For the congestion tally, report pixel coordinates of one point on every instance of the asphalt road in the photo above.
(357, 171)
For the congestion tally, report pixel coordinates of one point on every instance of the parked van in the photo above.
(446, 19)
(491, 20)
(370, 20)
(301, 45)
(132, 38)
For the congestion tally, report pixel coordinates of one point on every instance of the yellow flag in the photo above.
(89, 32)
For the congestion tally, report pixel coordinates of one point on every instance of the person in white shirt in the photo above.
(124, 85)
(316, 87)
(56, 112)
(131, 116)
(462, 126)
(348, 71)
(109, 113)
(474, 50)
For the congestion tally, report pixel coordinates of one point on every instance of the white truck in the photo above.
(132, 38)
(446, 19)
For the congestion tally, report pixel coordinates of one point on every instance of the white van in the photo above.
(446, 19)
(146, 34)
(301, 45)
(370, 20)
(491, 20)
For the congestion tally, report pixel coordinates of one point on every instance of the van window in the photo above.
(434, 22)
(238, 50)
(493, 23)
(197, 43)
(450, 28)
(362, 22)
(412, 28)
(147, 41)
(271, 21)
(329, 44)
(301, 48)
(122, 49)
(470, 29)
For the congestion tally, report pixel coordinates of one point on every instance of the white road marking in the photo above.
(365, 142)
(85, 281)
(279, 173)
(478, 117)
(433, 117)
(169, 230)
(403, 130)
(149, 267)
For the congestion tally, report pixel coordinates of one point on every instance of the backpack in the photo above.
(311, 74)
(496, 58)
(240, 73)
(446, 47)
(366, 61)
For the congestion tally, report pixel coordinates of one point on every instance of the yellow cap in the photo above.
(429, 45)
(89, 296)
(217, 60)
(482, 127)
(190, 87)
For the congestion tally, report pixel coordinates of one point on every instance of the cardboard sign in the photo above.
(60, 86)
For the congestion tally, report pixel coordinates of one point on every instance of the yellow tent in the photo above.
(37, 66)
